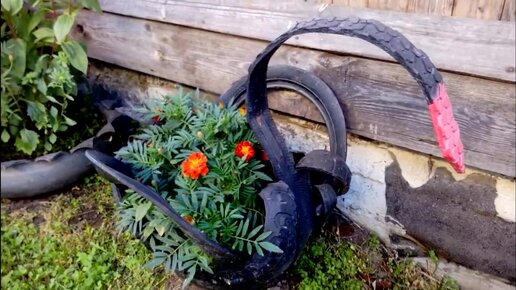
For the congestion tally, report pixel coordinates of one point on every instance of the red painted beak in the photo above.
(447, 130)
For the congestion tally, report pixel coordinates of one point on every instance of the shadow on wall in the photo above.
(456, 218)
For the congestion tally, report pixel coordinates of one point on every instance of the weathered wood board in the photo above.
(509, 11)
(480, 9)
(433, 7)
(476, 47)
(380, 100)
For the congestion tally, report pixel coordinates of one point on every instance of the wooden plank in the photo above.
(483, 48)
(379, 99)
(479, 9)
(392, 5)
(352, 3)
(509, 11)
(432, 7)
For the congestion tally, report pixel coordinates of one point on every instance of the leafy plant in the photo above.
(328, 262)
(200, 157)
(68, 241)
(38, 66)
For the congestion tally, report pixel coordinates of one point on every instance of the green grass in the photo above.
(329, 263)
(69, 242)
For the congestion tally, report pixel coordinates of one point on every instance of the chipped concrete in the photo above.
(505, 201)
(466, 278)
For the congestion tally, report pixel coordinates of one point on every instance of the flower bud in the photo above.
(200, 135)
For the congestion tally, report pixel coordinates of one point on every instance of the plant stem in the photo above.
(11, 26)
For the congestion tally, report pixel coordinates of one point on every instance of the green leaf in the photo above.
(12, 6)
(41, 64)
(154, 263)
(249, 248)
(18, 49)
(48, 146)
(258, 249)
(263, 236)
(53, 111)
(141, 210)
(254, 232)
(92, 5)
(35, 19)
(62, 26)
(244, 230)
(77, 55)
(37, 112)
(5, 136)
(160, 229)
(189, 278)
(27, 141)
(262, 176)
(271, 247)
(53, 100)
(42, 86)
(44, 34)
(69, 121)
(52, 138)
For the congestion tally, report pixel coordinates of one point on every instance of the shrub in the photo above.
(38, 66)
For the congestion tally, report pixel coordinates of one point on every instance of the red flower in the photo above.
(155, 119)
(244, 148)
(195, 165)
(189, 219)
(264, 156)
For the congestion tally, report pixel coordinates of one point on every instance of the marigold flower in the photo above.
(155, 119)
(244, 148)
(195, 165)
(242, 111)
(221, 105)
(264, 156)
(189, 219)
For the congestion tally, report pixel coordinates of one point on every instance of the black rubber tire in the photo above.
(57, 171)
(309, 86)
(262, 271)
(46, 174)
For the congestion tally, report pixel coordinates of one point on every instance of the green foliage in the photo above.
(38, 67)
(61, 252)
(327, 263)
(221, 204)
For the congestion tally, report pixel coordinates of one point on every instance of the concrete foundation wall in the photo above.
(413, 202)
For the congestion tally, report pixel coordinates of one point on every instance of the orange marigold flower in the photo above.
(244, 148)
(243, 111)
(195, 165)
(189, 219)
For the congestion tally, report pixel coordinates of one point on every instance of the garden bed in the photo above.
(53, 241)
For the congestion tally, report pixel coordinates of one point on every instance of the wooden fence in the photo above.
(209, 44)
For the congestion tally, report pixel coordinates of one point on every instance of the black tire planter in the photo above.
(281, 218)
(56, 171)
(290, 203)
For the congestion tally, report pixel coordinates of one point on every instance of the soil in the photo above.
(89, 213)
